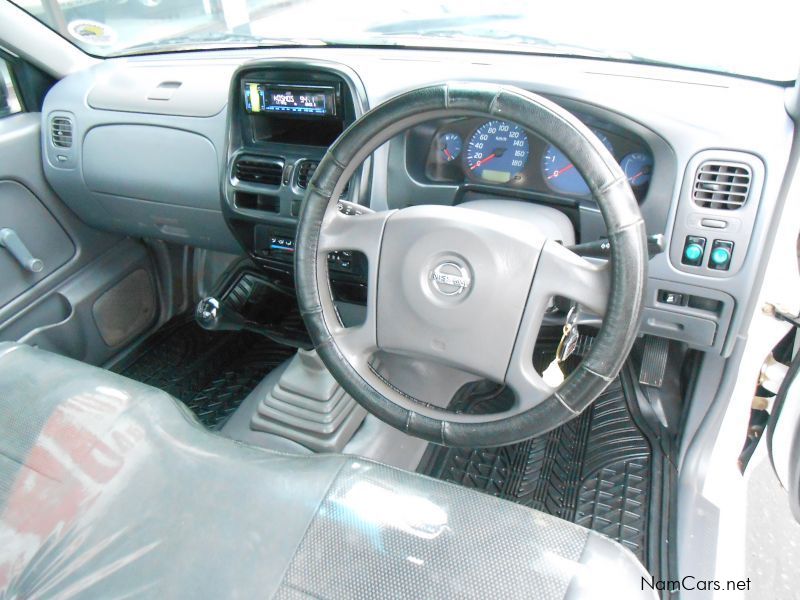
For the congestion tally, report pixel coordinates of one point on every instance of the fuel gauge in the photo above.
(637, 167)
(448, 146)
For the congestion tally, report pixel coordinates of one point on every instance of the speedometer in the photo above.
(560, 174)
(497, 151)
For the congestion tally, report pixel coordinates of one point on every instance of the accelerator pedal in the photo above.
(654, 361)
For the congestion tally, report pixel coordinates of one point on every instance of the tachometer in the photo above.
(561, 175)
(497, 151)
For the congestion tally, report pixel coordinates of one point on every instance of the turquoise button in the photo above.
(693, 252)
(720, 256)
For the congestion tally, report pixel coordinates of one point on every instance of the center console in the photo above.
(283, 116)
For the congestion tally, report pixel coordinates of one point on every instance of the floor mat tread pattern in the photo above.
(594, 470)
(210, 372)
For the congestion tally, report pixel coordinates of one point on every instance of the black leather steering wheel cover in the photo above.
(626, 233)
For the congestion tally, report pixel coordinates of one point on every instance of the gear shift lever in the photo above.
(212, 314)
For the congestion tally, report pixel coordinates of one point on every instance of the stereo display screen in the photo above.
(289, 99)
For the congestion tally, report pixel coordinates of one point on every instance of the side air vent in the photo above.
(305, 172)
(721, 185)
(61, 132)
(262, 171)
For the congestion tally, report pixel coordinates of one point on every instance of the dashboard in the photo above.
(215, 150)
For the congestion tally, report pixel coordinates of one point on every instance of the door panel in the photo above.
(97, 312)
(25, 218)
(21, 164)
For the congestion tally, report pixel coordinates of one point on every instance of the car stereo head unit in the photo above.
(289, 100)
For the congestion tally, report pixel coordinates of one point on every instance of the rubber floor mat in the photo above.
(210, 372)
(594, 470)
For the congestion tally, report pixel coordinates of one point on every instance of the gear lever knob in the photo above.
(211, 314)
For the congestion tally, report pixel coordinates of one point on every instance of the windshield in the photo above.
(752, 39)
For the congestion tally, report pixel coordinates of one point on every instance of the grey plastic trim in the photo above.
(288, 192)
(709, 401)
(37, 233)
(696, 331)
(20, 143)
(550, 222)
(156, 164)
(64, 322)
(701, 329)
(186, 91)
(238, 425)
(308, 406)
(154, 199)
(689, 216)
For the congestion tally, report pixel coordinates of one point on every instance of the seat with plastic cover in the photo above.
(110, 488)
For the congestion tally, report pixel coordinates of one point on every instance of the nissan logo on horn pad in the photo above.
(450, 279)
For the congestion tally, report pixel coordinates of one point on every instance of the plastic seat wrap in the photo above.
(110, 489)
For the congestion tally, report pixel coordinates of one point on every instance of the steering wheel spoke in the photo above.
(360, 233)
(358, 343)
(530, 388)
(561, 272)
(353, 232)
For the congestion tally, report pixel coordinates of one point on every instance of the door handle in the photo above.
(11, 242)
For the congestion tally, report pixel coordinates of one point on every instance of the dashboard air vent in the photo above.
(262, 171)
(721, 185)
(305, 172)
(61, 132)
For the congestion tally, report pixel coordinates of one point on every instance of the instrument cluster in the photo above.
(501, 153)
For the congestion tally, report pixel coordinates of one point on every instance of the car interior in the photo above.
(349, 320)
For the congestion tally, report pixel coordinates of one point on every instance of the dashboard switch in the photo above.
(693, 250)
(672, 298)
(721, 255)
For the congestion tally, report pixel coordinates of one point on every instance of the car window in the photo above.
(9, 102)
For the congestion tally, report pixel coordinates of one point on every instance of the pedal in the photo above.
(654, 361)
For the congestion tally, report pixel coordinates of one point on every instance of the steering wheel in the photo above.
(465, 288)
